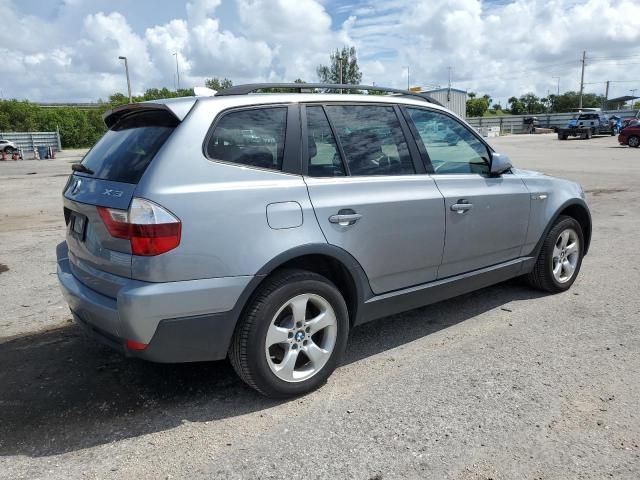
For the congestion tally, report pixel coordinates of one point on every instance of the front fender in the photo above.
(550, 198)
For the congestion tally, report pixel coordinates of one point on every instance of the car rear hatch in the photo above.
(107, 177)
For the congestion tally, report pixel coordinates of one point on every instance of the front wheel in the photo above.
(560, 258)
(292, 336)
(633, 141)
(8, 150)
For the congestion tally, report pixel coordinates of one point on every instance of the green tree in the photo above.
(78, 127)
(216, 84)
(343, 64)
(568, 100)
(477, 106)
(532, 104)
(516, 107)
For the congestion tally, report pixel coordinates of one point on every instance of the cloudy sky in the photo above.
(67, 50)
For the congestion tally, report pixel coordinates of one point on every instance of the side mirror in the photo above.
(500, 163)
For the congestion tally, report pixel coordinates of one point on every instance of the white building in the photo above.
(452, 98)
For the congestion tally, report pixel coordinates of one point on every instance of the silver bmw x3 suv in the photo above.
(263, 227)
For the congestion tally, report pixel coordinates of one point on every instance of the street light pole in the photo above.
(126, 69)
(557, 78)
(177, 70)
(584, 57)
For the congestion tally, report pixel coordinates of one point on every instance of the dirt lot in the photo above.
(504, 383)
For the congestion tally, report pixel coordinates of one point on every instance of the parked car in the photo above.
(630, 136)
(185, 244)
(598, 123)
(629, 122)
(7, 147)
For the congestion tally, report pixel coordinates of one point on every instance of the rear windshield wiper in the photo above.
(78, 167)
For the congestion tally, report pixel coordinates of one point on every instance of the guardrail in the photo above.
(515, 123)
(29, 141)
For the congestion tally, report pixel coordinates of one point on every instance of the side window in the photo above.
(324, 158)
(452, 148)
(372, 139)
(250, 137)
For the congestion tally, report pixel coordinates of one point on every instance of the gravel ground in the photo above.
(503, 383)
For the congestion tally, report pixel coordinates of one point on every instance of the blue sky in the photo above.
(66, 50)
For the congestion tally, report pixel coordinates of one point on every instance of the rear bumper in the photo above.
(178, 321)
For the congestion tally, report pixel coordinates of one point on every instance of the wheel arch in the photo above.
(327, 260)
(575, 208)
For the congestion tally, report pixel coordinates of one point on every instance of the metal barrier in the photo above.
(30, 141)
(515, 123)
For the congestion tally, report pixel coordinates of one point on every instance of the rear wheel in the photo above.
(292, 336)
(560, 258)
(8, 150)
(633, 141)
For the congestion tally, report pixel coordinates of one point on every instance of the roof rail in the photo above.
(300, 87)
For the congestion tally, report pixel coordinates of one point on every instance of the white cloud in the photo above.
(502, 48)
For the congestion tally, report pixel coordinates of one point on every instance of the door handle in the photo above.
(462, 206)
(345, 219)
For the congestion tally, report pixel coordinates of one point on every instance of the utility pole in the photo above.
(340, 73)
(606, 96)
(126, 69)
(449, 90)
(408, 85)
(584, 56)
(177, 71)
(558, 78)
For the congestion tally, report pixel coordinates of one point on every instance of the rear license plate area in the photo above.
(78, 225)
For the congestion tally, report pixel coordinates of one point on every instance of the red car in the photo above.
(630, 136)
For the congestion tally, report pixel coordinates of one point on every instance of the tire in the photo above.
(270, 315)
(542, 276)
(8, 150)
(633, 141)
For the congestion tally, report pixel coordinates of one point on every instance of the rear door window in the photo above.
(324, 157)
(253, 137)
(372, 139)
(126, 150)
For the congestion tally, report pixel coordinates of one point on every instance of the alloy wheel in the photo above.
(566, 254)
(301, 337)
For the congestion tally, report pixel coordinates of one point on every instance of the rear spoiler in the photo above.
(178, 110)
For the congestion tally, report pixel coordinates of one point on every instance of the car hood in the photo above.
(527, 173)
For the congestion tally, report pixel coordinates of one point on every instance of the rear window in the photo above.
(252, 137)
(126, 150)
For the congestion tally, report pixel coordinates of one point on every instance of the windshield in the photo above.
(126, 150)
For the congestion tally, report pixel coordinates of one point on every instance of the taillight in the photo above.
(150, 229)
